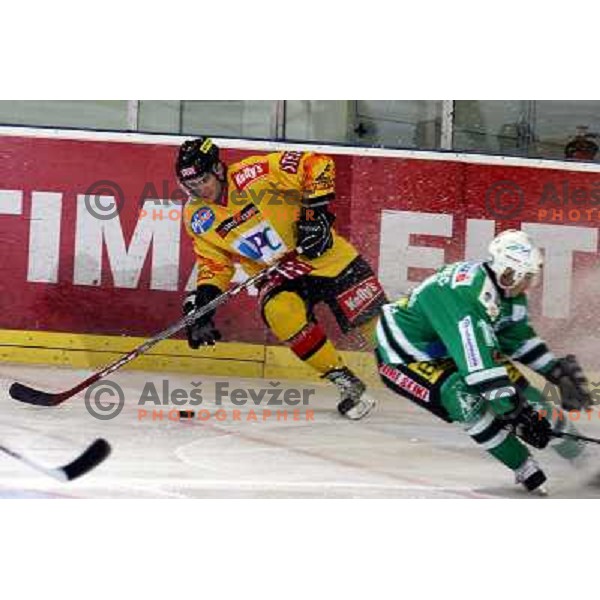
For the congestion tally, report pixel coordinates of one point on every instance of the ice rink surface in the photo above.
(399, 451)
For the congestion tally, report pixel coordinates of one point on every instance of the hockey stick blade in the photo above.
(24, 393)
(96, 453)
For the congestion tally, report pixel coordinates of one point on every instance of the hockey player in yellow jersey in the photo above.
(258, 210)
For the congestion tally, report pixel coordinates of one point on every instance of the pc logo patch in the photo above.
(261, 243)
(202, 220)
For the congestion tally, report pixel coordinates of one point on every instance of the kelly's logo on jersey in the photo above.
(202, 220)
(261, 243)
(359, 297)
(230, 224)
(248, 174)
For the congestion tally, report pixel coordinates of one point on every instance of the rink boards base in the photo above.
(232, 359)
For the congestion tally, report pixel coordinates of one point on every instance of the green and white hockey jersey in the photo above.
(460, 313)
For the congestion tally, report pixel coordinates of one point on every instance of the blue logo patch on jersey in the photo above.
(249, 250)
(260, 243)
(202, 220)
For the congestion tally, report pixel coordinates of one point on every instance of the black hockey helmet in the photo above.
(195, 158)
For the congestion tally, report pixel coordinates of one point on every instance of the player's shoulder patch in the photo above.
(249, 170)
(465, 273)
(202, 220)
(319, 175)
(289, 161)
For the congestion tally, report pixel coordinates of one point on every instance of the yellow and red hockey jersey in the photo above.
(255, 225)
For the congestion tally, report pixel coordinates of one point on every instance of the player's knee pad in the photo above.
(487, 430)
(309, 340)
(285, 314)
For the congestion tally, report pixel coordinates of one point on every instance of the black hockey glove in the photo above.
(202, 331)
(313, 231)
(531, 427)
(568, 375)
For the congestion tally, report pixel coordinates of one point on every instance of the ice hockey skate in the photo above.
(355, 403)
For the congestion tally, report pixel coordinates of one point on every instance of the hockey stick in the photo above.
(574, 436)
(29, 395)
(95, 453)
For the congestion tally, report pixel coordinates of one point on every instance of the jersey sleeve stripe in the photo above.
(399, 337)
(528, 346)
(393, 343)
(389, 354)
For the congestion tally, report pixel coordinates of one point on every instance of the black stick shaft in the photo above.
(574, 436)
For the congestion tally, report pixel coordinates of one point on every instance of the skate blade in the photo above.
(362, 408)
(541, 491)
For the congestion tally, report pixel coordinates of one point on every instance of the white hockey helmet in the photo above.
(514, 259)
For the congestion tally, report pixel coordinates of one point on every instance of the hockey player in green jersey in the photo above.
(449, 345)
